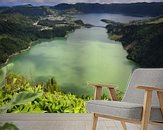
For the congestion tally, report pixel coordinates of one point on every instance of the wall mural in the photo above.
(49, 53)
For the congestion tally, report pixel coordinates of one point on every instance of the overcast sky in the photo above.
(54, 2)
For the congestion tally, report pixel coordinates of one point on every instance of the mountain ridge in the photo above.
(135, 9)
(140, 9)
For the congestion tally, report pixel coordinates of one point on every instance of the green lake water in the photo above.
(85, 55)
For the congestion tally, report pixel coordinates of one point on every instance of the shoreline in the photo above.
(16, 53)
(26, 49)
(21, 51)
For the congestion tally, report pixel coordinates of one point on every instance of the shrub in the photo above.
(46, 98)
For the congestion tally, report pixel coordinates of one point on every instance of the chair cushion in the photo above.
(131, 111)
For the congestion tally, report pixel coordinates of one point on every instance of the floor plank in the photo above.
(53, 121)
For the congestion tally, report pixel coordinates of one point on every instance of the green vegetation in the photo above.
(115, 37)
(142, 39)
(8, 126)
(18, 95)
(14, 35)
(27, 10)
(19, 99)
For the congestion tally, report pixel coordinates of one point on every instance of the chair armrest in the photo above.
(101, 85)
(148, 88)
(98, 90)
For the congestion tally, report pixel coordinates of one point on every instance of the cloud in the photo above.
(53, 2)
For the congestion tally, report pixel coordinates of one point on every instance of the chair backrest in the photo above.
(147, 77)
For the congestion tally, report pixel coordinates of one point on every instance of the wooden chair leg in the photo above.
(94, 123)
(160, 98)
(144, 126)
(124, 125)
(146, 110)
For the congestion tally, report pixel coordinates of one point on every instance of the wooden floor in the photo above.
(58, 122)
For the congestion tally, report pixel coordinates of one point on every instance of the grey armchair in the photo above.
(142, 102)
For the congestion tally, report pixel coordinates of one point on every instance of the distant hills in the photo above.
(138, 9)
(133, 9)
(27, 10)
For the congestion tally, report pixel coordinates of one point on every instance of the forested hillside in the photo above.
(27, 10)
(143, 40)
(18, 31)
